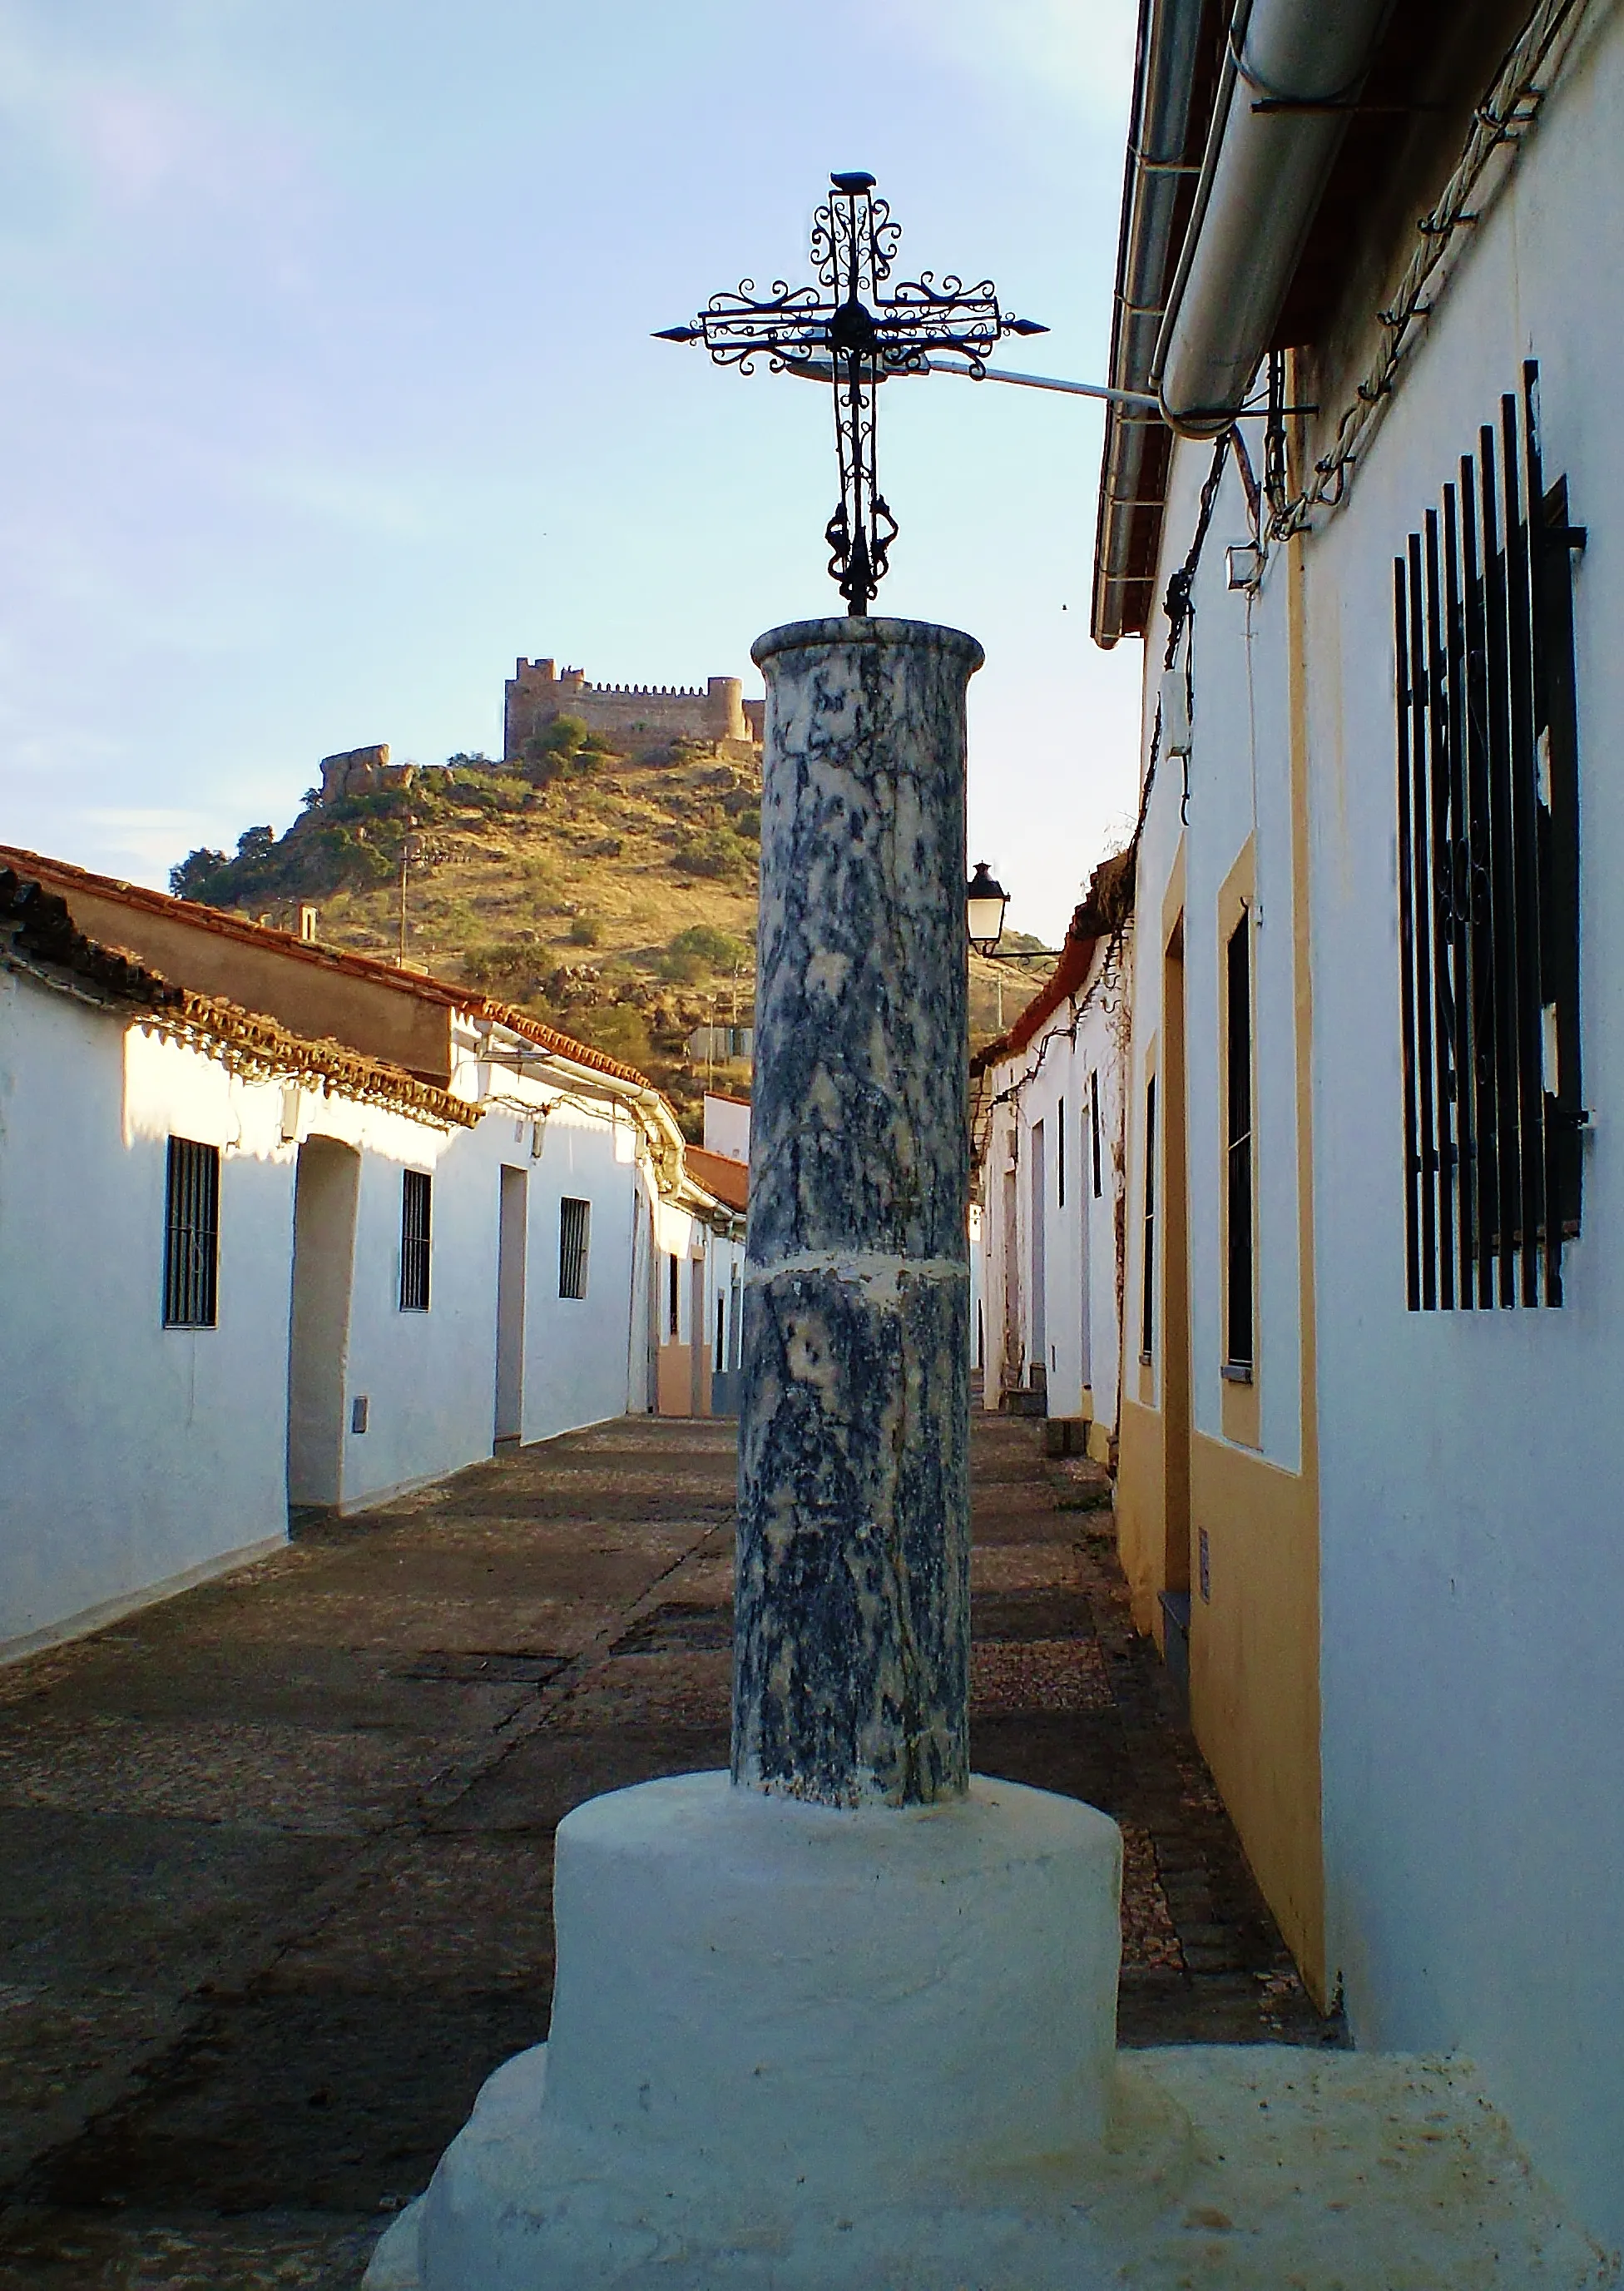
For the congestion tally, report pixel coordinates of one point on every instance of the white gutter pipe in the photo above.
(1292, 75)
(1155, 179)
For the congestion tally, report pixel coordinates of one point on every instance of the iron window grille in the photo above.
(416, 1196)
(1094, 1128)
(1488, 844)
(1238, 1307)
(574, 1224)
(191, 1236)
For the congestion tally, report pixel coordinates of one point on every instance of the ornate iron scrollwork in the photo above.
(852, 335)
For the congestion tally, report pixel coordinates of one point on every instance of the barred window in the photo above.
(574, 1224)
(416, 1194)
(191, 1236)
(1488, 839)
(1094, 1128)
(1060, 1155)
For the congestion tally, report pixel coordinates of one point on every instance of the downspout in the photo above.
(1164, 75)
(1290, 80)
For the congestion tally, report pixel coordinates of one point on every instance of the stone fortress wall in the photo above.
(635, 713)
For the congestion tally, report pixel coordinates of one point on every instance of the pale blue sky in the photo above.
(325, 384)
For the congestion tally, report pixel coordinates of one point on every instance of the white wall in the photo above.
(1239, 794)
(727, 1127)
(430, 1379)
(1472, 1562)
(579, 1367)
(1473, 1566)
(136, 1454)
(1049, 1082)
(132, 1453)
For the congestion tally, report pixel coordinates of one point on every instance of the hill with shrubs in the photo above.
(612, 895)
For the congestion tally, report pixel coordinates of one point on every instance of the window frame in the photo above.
(191, 1234)
(1486, 720)
(416, 1241)
(574, 1246)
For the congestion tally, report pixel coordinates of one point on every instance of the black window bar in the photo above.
(416, 1196)
(573, 1225)
(1488, 849)
(191, 1236)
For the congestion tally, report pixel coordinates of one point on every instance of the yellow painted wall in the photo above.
(1139, 1506)
(1254, 1678)
(682, 1385)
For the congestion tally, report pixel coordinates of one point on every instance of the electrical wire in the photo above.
(1502, 122)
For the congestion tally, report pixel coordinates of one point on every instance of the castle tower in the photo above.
(724, 707)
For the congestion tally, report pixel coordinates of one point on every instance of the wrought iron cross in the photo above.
(849, 333)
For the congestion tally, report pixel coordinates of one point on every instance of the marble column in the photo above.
(852, 1621)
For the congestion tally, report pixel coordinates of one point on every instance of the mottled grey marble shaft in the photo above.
(851, 1635)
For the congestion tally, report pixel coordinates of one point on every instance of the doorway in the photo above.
(1085, 1220)
(1038, 1357)
(326, 1188)
(512, 1231)
(699, 1356)
(1009, 1371)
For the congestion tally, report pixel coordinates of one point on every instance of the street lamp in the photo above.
(985, 901)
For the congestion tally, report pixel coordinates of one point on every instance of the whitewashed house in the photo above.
(1046, 1107)
(244, 1268)
(1371, 1438)
(722, 1164)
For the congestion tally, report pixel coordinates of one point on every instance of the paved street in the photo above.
(276, 1854)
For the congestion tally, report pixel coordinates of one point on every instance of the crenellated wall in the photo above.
(647, 714)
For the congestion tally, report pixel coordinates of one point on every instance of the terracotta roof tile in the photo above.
(61, 874)
(728, 1179)
(41, 930)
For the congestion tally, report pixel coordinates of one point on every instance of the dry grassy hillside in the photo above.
(614, 896)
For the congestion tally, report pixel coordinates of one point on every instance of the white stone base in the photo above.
(800, 2050)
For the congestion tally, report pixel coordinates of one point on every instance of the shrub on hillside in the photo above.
(375, 807)
(508, 968)
(485, 791)
(584, 931)
(700, 950)
(615, 1027)
(715, 852)
(563, 747)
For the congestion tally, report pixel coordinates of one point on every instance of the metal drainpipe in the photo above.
(1168, 33)
(1304, 61)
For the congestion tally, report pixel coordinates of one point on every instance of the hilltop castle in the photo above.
(633, 714)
